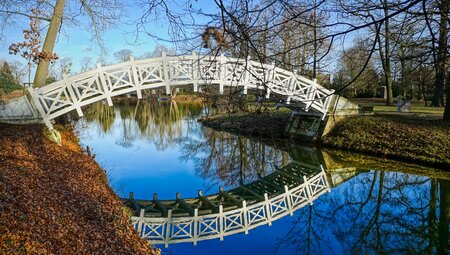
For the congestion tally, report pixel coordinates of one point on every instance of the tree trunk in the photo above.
(441, 61)
(447, 105)
(49, 43)
(387, 58)
(444, 214)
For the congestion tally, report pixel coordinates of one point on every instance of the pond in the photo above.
(373, 206)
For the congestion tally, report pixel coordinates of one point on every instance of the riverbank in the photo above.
(264, 125)
(416, 140)
(56, 199)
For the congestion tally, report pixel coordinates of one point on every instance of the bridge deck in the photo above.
(168, 72)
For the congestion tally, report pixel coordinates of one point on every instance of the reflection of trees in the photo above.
(156, 122)
(234, 159)
(378, 212)
(102, 114)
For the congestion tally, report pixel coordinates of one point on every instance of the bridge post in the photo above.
(36, 103)
(168, 228)
(221, 221)
(325, 178)
(73, 96)
(308, 190)
(310, 94)
(268, 209)
(244, 216)
(247, 74)
(288, 199)
(269, 74)
(292, 83)
(195, 226)
(141, 221)
(195, 70)
(136, 82)
(104, 84)
(222, 70)
(166, 72)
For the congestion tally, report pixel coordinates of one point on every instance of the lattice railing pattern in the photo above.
(104, 82)
(167, 230)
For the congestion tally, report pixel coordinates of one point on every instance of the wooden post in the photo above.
(269, 75)
(195, 226)
(222, 75)
(166, 73)
(292, 83)
(133, 202)
(195, 70)
(136, 81)
(104, 84)
(141, 221)
(221, 222)
(325, 178)
(288, 199)
(36, 103)
(159, 205)
(168, 228)
(308, 190)
(268, 209)
(244, 216)
(208, 202)
(185, 205)
(247, 74)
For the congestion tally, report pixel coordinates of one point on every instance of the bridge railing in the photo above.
(167, 230)
(105, 82)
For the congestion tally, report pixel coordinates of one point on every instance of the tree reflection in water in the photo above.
(151, 121)
(388, 208)
(221, 157)
(377, 212)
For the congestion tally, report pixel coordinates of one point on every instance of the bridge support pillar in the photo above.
(166, 73)
(136, 79)
(104, 85)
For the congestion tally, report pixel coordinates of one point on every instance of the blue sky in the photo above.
(75, 42)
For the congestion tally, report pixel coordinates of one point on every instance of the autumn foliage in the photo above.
(55, 199)
(29, 49)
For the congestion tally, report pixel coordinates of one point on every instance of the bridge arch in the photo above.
(105, 82)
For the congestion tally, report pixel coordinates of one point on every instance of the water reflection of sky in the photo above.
(373, 212)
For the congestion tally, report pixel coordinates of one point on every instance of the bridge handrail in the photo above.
(167, 230)
(104, 82)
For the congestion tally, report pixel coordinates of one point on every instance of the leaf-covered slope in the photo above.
(55, 199)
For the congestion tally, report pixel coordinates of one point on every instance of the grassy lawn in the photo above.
(414, 140)
(380, 107)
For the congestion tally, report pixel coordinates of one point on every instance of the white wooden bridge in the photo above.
(229, 212)
(105, 82)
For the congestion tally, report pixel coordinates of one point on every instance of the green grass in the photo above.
(424, 141)
(377, 107)
(8, 86)
(380, 107)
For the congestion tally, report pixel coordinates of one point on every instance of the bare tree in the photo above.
(86, 63)
(101, 15)
(123, 55)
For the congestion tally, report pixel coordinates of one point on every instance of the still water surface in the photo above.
(374, 207)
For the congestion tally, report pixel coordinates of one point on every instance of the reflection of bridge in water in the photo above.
(229, 212)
